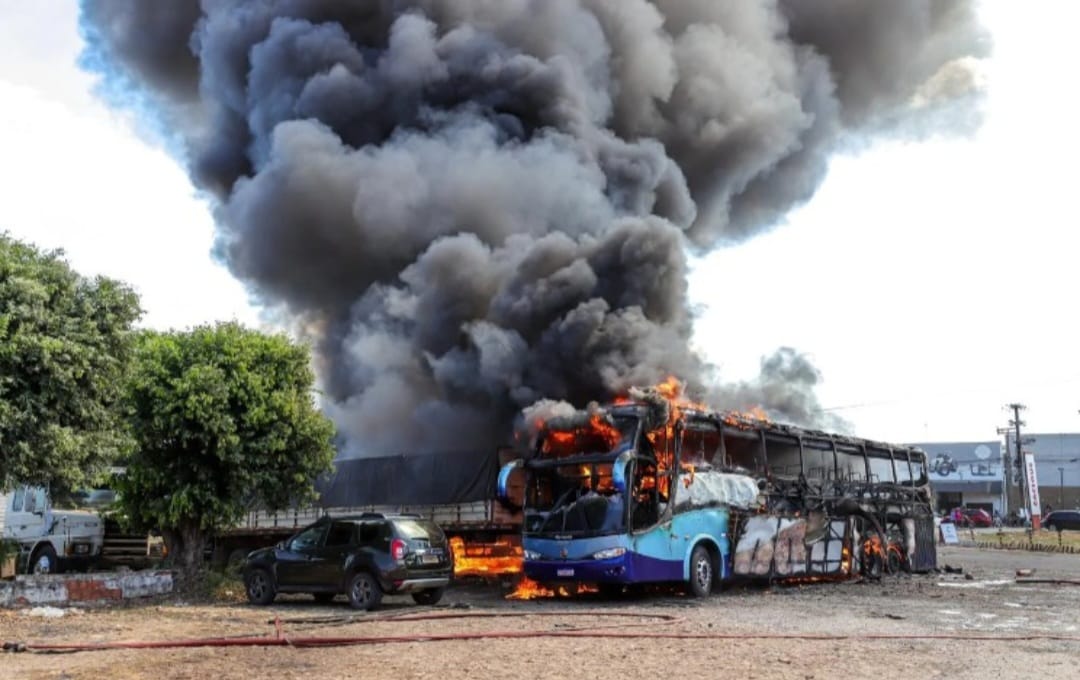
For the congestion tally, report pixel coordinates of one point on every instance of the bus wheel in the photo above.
(701, 572)
(895, 562)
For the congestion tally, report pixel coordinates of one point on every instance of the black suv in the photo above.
(362, 556)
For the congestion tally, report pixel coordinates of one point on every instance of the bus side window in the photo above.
(701, 444)
(742, 452)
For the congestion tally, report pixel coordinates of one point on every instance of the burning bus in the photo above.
(655, 489)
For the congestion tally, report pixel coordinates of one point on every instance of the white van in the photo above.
(50, 540)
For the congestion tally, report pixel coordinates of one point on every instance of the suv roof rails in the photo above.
(384, 515)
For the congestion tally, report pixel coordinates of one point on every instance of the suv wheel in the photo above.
(429, 596)
(260, 588)
(364, 592)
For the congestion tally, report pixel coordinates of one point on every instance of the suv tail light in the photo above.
(397, 549)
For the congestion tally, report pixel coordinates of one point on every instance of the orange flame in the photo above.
(485, 559)
(689, 479)
(671, 389)
(596, 433)
(528, 589)
(746, 418)
(873, 546)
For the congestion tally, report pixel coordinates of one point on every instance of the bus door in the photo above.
(657, 538)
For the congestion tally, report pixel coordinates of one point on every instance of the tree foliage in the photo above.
(65, 343)
(224, 419)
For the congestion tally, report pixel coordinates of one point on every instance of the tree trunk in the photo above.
(185, 545)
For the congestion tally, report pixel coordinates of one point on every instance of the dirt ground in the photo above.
(725, 635)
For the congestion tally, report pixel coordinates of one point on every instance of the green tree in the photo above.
(224, 417)
(65, 344)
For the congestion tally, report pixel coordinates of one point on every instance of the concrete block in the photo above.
(61, 589)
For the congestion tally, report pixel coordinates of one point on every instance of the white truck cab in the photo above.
(49, 539)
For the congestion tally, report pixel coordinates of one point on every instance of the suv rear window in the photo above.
(417, 528)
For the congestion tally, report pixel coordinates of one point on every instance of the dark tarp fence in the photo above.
(419, 479)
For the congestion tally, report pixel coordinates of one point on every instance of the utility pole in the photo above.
(1006, 473)
(1016, 423)
(1061, 487)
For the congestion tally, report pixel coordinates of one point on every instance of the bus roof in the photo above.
(735, 420)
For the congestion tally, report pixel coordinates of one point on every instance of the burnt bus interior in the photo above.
(873, 497)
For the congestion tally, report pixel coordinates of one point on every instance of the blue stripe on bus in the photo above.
(629, 568)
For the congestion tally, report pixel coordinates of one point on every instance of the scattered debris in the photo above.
(46, 612)
(1025, 572)
(973, 584)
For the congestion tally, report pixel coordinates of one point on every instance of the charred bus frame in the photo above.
(803, 472)
(824, 504)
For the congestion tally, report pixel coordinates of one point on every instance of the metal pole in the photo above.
(1061, 487)
(1016, 422)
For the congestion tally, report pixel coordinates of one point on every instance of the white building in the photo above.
(966, 474)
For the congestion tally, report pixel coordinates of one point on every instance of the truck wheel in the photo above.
(701, 572)
(429, 596)
(364, 592)
(44, 561)
(259, 586)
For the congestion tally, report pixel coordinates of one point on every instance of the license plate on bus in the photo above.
(429, 559)
(564, 572)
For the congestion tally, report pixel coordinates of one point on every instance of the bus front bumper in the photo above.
(613, 570)
(628, 568)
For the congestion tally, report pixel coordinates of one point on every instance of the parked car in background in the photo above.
(970, 517)
(1061, 519)
(363, 556)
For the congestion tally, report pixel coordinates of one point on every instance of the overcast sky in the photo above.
(930, 283)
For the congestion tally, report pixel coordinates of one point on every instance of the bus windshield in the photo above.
(576, 499)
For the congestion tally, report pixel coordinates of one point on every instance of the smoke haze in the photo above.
(470, 206)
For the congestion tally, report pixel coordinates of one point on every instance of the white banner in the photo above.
(1033, 484)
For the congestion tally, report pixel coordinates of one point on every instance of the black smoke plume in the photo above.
(473, 205)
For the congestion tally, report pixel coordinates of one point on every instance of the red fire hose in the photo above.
(280, 639)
